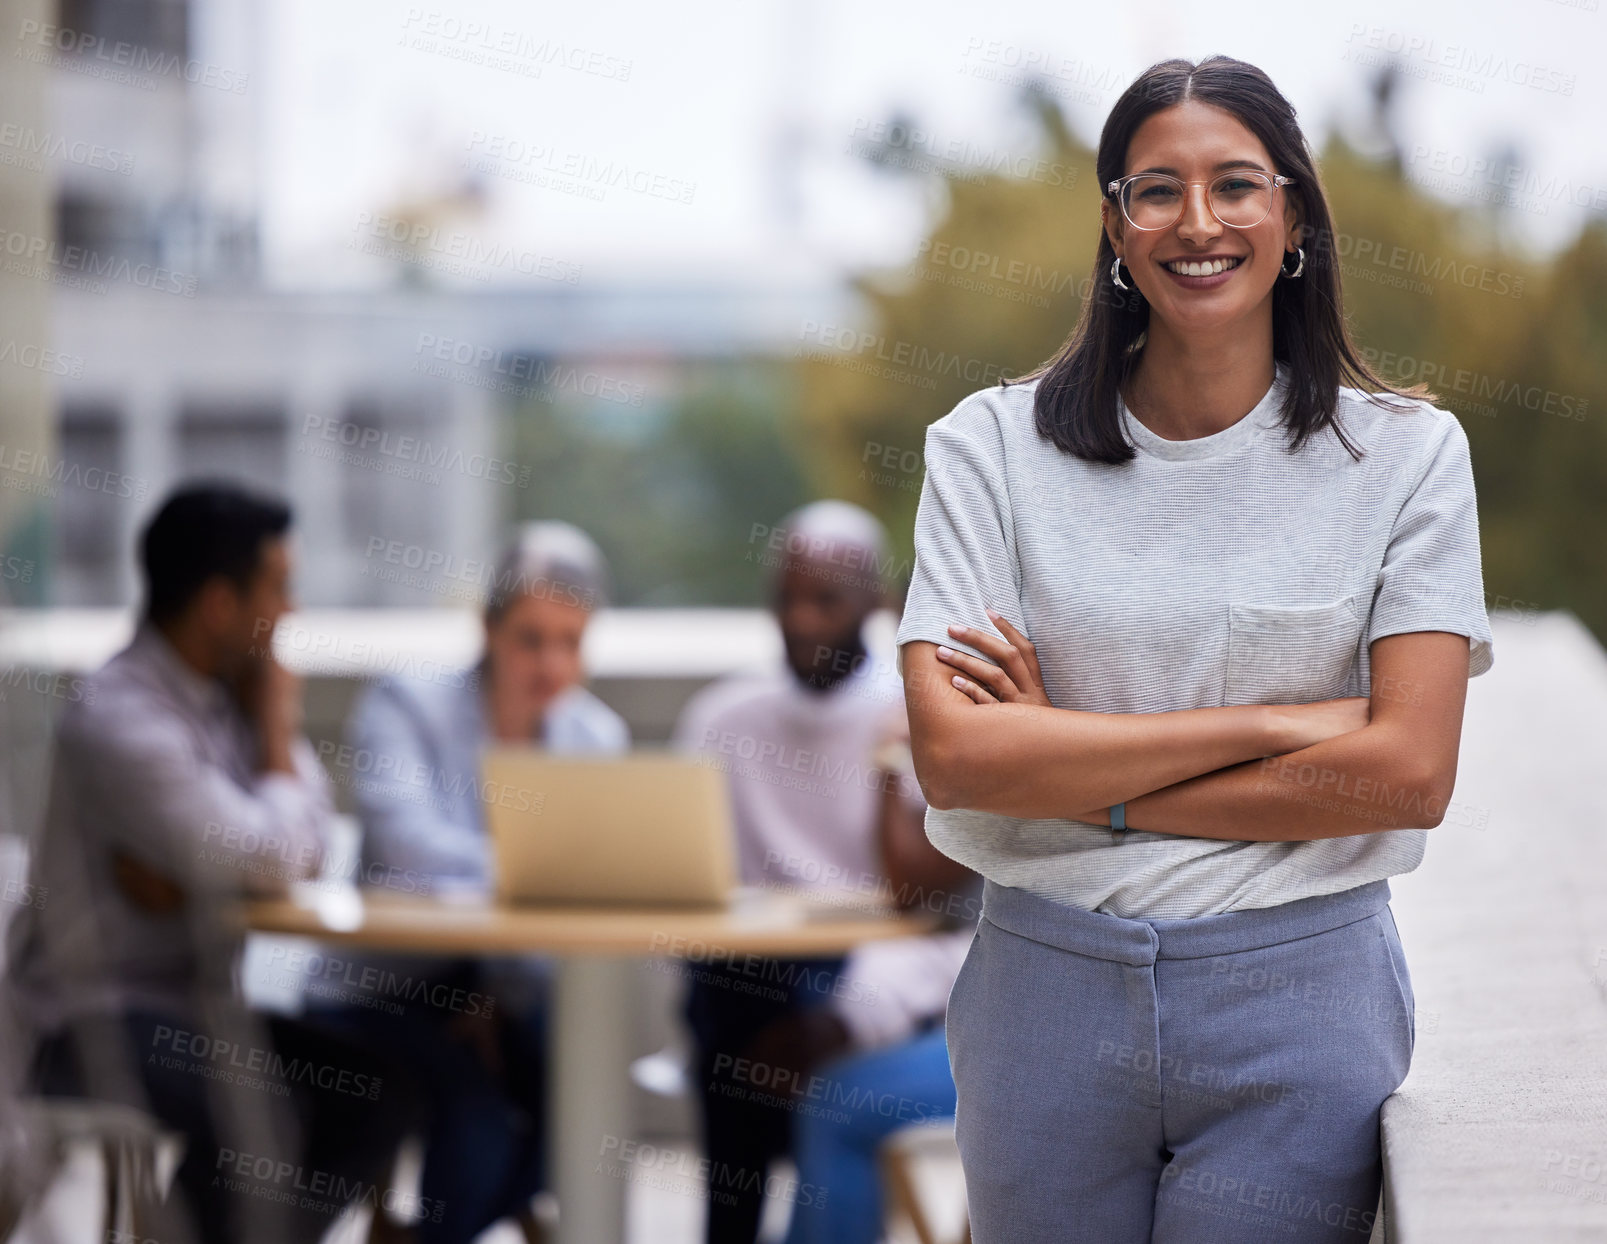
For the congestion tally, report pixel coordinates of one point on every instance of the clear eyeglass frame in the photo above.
(1119, 186)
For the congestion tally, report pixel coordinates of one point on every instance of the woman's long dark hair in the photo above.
(1075, 405)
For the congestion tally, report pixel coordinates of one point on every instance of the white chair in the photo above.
(138, 1158)
(916, 1161)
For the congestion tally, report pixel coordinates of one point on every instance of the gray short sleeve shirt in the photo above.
(1220, 570)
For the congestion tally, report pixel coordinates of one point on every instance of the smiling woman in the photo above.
(1168, 593)
(1211, 190)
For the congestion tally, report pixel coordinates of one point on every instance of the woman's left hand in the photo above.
(1012, 678)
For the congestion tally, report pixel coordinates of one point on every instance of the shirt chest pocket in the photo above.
(1291, 655)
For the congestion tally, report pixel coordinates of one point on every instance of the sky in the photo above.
(713, 142)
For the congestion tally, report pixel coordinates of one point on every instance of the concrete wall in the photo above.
(1499, 1134)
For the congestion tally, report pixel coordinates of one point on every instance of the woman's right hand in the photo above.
(1295, 726)
(1012, 677)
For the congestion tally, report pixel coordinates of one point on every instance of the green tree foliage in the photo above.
(673, 495)
(993, 291)
(1513, 345)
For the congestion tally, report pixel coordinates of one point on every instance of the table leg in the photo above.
(593, 1028)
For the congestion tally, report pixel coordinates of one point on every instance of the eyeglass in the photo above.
(1241, 200)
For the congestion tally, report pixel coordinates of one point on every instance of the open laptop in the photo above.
(644, 829)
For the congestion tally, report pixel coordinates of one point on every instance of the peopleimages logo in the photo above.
(130, 58)
(414, 451)
(42, 473)
(1452, 64)
(571, 172)
(1477, 385)
(254, 1067)
(527, 374)
(40, 359)
(420, 776)
(29, 249)
(910, 146)
(33, 148)
(453, 251)
(291, 1184)
(497, 47)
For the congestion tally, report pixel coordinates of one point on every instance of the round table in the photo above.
(593, 1020)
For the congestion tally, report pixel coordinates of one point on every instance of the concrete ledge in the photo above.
(1500, 1131)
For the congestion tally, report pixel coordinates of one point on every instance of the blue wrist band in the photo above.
(1118, 817)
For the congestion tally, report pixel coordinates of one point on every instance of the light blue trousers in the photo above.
(1177, 1081)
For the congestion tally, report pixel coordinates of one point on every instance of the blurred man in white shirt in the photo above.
(816, 807)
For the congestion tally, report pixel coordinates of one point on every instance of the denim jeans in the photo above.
(856, 1102)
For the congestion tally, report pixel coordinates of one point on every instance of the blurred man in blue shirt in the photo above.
(181, 782)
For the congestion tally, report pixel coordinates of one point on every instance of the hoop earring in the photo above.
(1300, 263)
(1116, 273)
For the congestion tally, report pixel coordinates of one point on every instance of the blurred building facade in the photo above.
(381, 413)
